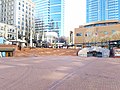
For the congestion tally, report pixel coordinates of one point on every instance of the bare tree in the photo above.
(116, 35)
(62, 39)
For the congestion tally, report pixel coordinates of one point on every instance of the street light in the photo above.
(16, 34)
(31, 33)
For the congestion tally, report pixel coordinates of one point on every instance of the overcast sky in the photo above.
(75, 14)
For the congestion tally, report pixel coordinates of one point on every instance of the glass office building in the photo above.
(99, 10)
(51, 12)
(42, 14)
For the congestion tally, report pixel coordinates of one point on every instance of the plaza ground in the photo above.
(59, 73)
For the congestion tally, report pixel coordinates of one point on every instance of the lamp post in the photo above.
(31, 32)
(16, 35)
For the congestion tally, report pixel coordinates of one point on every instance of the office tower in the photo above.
(42, 15)
(57, 15)
(19, 13)
(51, 14)
(99, 10)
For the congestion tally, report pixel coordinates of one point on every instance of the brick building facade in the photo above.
(97, 32)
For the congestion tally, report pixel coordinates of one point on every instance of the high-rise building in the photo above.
(51, 14)
(42, 15)
(19, 13)
(98, 10)
(57, 16)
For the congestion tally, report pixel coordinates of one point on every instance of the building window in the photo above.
(19, 27)
(10, 30)
(79, 34)
(26, 7)
(22, 28)
(22, 23)
(18, 22)
(113, 31)
(13, 38)
(105, 32)
(23, 5)
(19, 8)
(22, 18)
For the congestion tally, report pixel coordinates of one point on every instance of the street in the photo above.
(59, 73)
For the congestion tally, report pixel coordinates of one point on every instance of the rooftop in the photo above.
(101, 23)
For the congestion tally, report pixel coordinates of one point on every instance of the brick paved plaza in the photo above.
(59, 73)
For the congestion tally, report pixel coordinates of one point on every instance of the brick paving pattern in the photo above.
(59, 73)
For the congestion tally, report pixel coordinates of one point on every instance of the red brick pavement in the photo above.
(59, 73)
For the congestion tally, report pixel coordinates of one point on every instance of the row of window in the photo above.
(90, 33)
(22, 27)
(11, 30)
(10, 22)
(10, 36)
(54, 2)
(27, 12)
(24, 4)
(26, 9)
(102, 24)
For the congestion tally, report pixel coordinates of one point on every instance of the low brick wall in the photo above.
(3, 45)
(45, 51)
(9, 46)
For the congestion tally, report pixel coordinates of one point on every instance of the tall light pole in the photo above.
(16, 35)
(31, 32)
